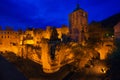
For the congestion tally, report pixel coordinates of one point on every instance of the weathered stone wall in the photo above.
(78, 25)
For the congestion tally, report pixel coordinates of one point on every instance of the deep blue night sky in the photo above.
(39, 13)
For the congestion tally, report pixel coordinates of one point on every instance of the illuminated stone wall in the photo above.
(34, 37)
(38, 33)
(9, 41)
(105, 49)
(34, 44)
(65, 30)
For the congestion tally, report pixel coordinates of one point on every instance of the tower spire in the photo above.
(77, 5)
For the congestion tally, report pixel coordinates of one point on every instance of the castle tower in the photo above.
(78, 24)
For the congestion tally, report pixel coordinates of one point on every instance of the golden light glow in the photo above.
(28, 42)
(36, 45)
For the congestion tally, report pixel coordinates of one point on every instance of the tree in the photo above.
(54, 35)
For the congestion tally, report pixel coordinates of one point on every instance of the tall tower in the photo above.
(78, 24)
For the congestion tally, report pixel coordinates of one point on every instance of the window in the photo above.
(84, 14)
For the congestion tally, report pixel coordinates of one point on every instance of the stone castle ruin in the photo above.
(53, 47)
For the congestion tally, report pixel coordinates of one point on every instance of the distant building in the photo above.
(117, 31)
(78, 24)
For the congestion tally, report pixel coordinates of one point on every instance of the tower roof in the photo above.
(77, 7)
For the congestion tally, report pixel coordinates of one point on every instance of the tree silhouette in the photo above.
(54, 34)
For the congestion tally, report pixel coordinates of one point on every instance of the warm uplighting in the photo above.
(103, 70)
(79, 45)
(28, 42)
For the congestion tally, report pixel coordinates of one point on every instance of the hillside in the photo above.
(108, 23)
(111, 21)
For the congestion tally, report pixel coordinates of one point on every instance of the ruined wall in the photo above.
(9, 41)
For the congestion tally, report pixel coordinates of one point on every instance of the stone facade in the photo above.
(9, 41)
(78, 24)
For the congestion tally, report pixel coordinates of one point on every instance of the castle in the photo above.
(36, 44)
(53, 47)
(77, 29)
